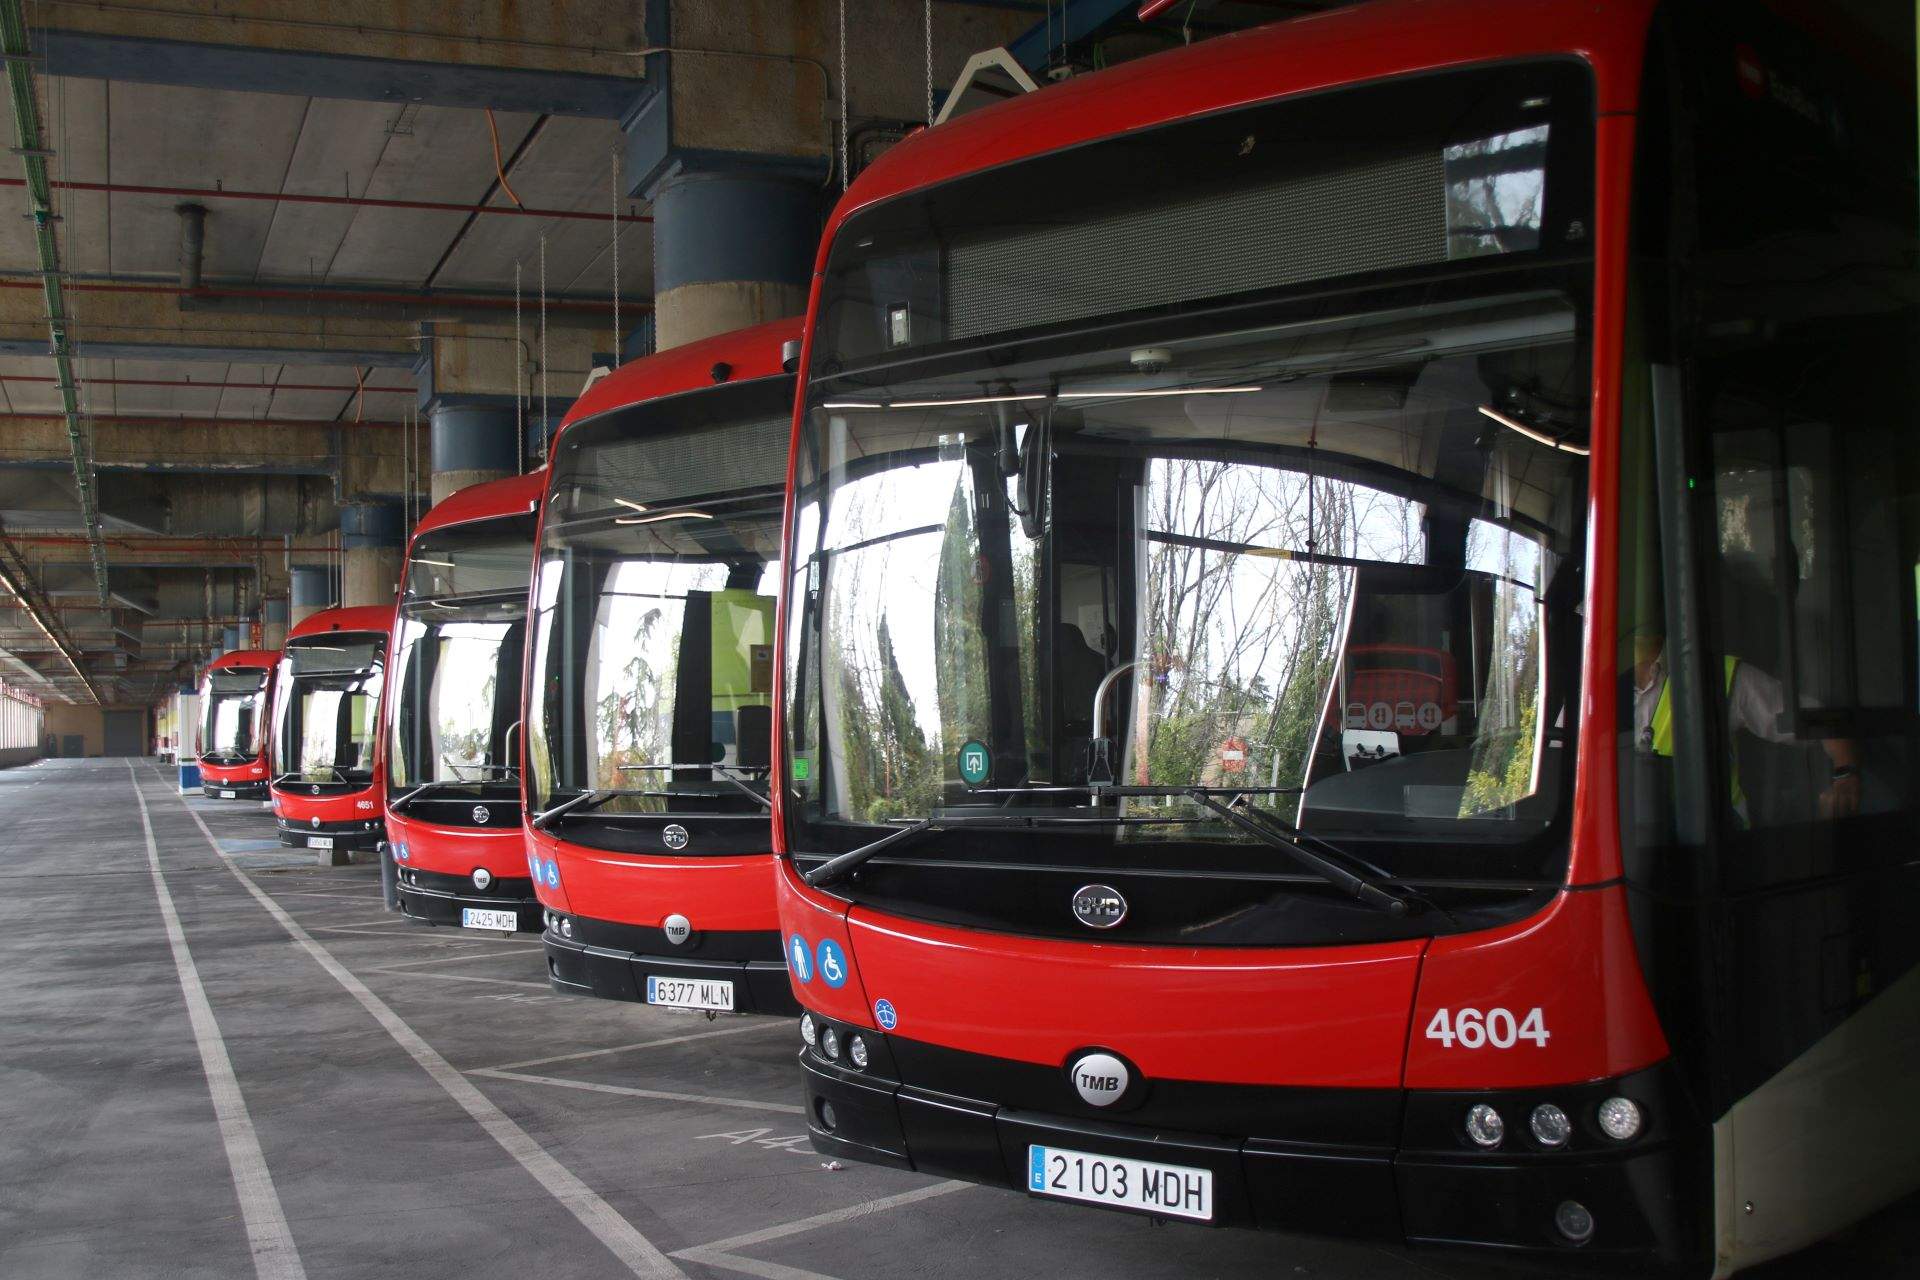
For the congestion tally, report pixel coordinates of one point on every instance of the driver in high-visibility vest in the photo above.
(1755, 702)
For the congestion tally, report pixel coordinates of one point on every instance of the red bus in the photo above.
(236, 695)
(1573, 344)
(649, 698)
(450, 748)
(326, 724)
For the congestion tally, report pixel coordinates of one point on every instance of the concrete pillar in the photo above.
(731, 247)
(373, 533)
(472, 443)
(312, 591)
(273, 622)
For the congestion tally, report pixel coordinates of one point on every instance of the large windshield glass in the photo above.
(233, 714)
(654, 616)
(458, 654)
(326, 721)
(1317, 546)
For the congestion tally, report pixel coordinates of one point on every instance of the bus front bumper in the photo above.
(1643, 1202)
(437, 898)
(579, 968)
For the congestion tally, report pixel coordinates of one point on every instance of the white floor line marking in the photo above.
(644, 1044)
(460, 977)
(721, 1252)
(624, 1091)
(274, 1254)
(626, 1243)
(466, 957)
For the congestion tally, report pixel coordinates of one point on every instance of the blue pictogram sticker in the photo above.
(833, 964)
(801, 957)
(885, 1015)
(553, 874)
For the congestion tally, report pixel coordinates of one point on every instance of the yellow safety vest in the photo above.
(1663, 733)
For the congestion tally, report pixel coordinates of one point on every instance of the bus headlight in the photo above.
(830, 1043)
(1550, 1125)
(1484, 1126)
(1620, 1119)
(808, 1031)
(857, 1051)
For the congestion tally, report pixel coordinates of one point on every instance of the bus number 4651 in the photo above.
(1471, 1029)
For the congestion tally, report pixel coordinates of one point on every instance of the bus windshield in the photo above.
(654, 612)
(457, 662)
(1315, 547)
(234, 714)
(325, 724)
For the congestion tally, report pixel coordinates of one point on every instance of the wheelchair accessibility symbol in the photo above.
(833, 964)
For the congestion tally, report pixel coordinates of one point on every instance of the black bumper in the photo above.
(356, 835)
(432, 897)
(1648, 1199)
(584, 965)
(256, 790)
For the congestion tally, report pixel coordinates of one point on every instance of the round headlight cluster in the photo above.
(809, 1030)
(1549, 1125)
(1484, 1126)
(1621, 1119)
(830, 1043)
(857, 1051)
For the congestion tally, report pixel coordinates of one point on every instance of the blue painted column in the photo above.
(373, 534)
(474, 440)
(732, 246)
(273, 622)
(312, 591)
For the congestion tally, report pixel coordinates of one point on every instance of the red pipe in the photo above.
(358, 202)
(205, 386)
(483, 301)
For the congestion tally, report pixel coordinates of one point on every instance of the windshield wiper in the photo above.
(401, 802)
(1258, 824)
(585, 800)
(834, 868)
(739, 784)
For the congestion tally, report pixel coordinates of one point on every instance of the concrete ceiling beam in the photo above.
(355, 49)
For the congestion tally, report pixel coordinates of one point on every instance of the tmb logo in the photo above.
(1101, 1079)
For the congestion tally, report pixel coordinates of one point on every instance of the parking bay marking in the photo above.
(624, 1091)
(268, 1237)
(721, 1253)
(644, 1044)
(625, 1241)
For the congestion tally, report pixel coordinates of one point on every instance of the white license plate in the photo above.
(684, 993)
(319, 842)
(477, 918)
(226, 795)
(1175, 1190)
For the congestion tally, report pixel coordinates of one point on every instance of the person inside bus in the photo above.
(1755, 703)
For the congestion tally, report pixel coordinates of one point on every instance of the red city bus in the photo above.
(326, 722)
(450, 748)
(236, 696)
(1572, 344)
(649, 698)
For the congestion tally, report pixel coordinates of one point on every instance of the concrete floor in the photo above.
(370, 1098)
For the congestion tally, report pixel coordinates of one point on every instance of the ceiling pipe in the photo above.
(357, 303)
(170, 423)
(351, 202)
(214, 386)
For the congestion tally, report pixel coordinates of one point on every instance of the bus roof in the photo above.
(245, 658)
(753, 352)
(1319, 51)
(513, 496)
(365, 617)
